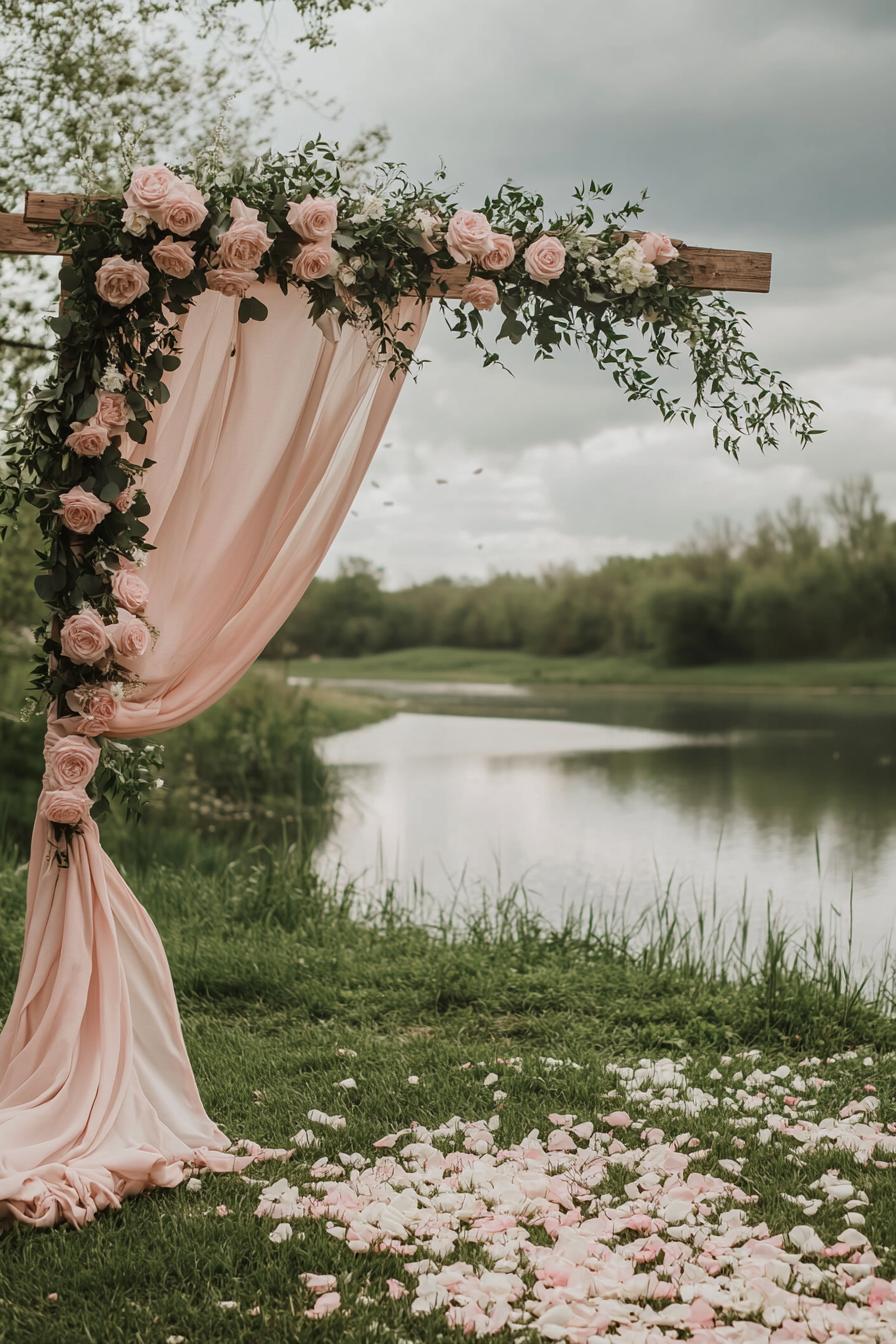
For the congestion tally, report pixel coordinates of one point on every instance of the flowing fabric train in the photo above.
(259, 452)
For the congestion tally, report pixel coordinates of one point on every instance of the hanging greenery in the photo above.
(137, 263)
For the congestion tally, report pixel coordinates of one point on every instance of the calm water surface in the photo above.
(590, 796)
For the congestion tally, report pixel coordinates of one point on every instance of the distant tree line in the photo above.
(802, 583)
(799, 584)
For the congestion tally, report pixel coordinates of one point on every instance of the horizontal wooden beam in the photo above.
(707, 267)
(16, 236)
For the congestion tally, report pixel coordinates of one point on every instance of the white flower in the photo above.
(348, 1083)
(346, 276)
(426, 222)
(135, 222)
(282, 1232)
(627, 271)
(372, 207)
(413, 1079)
(356, 263)
(194, 1185)
(112, 379)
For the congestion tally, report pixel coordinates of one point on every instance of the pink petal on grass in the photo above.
(324, 1306)
(319, 1283)
(396, 1289)
(618, 1119)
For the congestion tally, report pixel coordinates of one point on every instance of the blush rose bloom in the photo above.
(111, 410)
(545, 259)
(89, 440)
(81, 511)
(174, 257)
(500, 254)
(183, 211)
(469, 235)
(65, 807)
(149, 188)
(129, 637)
(130, 590)
(313, 261)
(313, 219)
(96, 705)
(225, 281)
(246, 241)
(483, 294)
(84, 637)
(71, 762)
(658, 248)
(121, 282)
(124, 501)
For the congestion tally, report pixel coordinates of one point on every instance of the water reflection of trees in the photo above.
(795, 783)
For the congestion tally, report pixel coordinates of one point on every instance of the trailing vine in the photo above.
(133, 270)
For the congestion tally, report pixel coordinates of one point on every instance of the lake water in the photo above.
(597, 795)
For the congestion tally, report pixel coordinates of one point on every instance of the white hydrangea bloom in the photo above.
(627, 271)
(372, 207)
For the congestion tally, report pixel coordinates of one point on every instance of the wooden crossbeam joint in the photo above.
(707, 267)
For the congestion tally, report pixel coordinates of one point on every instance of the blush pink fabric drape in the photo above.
(258, 453)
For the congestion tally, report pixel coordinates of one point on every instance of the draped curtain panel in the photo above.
(259, 452)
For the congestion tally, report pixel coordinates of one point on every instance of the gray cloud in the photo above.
(753, 125)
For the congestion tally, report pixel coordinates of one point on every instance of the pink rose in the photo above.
(232, 283)
(483, 294)
(120, 282)
(313, 219)
(81, 511)
(84, 637)
(184, 209)
(96, 706)
(545, 259)
(65, 807)
(246, 241)
(111, 410)
(500, 254)
(130, 590)
(124, 501)
(468, 235)
(129, 637)
(149, 188)
(89, 440)
(313, 261)
(658, 248)
(71, 762)
(174, 258)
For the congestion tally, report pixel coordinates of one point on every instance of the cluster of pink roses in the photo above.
(157, 194)
(91, 439)
(239, 253)
(85, 637)
(469, 238)
(315, 220)
(71, 763)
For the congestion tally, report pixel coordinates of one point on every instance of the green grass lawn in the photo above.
(448, 664)
(279, 980)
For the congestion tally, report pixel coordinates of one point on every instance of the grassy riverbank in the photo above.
(451, 664)
(286, 992)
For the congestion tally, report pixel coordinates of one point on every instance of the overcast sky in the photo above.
(757, 125)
